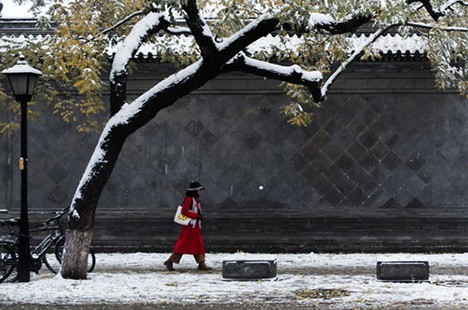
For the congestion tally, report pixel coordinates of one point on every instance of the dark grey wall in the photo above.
(382, 167)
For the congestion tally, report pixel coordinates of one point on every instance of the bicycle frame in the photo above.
(51, 239)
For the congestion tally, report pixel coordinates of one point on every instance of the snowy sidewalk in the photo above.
(347, 281)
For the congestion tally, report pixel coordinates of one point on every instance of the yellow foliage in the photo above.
(8, 128)
(302, 119)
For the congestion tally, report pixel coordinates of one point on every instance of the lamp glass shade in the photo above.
(23, 84)
(22, 77)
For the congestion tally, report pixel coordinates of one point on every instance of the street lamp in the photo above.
(23, 80)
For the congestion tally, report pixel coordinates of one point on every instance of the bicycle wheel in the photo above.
(59, 252)
(51, 262)
(8, 262)
(91, 260)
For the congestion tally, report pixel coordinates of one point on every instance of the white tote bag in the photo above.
(181, 219)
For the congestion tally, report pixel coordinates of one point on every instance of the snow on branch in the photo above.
(427, 26)
(148, 25)
(291, 74)
(317, 19)
(178, 30)
(151, 23)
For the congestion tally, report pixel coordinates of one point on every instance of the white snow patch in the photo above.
(75, 214)
(320, 19)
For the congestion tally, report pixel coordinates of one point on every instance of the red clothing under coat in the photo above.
(190, 240)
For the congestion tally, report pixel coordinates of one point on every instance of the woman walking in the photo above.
(190, 240)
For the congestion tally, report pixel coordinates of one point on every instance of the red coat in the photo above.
(190, 240)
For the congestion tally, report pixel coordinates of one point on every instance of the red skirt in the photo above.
(190, 241)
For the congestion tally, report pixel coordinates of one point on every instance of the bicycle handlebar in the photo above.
(58, 214)
(55, 218)
(61, 212)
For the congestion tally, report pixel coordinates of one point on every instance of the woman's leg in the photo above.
(174, 258)
(200, 259)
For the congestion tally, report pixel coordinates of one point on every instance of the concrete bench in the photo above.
(249, 269)
(403, 271)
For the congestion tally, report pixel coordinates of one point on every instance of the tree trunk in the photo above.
(81, 217)
(75, 262)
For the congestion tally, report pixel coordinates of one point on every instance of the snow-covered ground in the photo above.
(349, 278)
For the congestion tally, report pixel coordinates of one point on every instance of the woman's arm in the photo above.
(186, 208)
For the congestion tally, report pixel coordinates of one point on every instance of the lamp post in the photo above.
(23, 80)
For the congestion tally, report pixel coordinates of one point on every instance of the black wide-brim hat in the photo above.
(195, 186)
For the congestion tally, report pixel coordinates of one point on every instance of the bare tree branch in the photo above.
(123, 21)
(291, 74)
(451, 3)
(200, 29)
(328, 24)
(267, 24)
(357, 53)
(437, 13)
(115, 26)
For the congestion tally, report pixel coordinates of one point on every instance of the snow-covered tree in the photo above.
(310, 48)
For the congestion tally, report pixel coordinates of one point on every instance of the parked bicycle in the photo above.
(56, 238)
